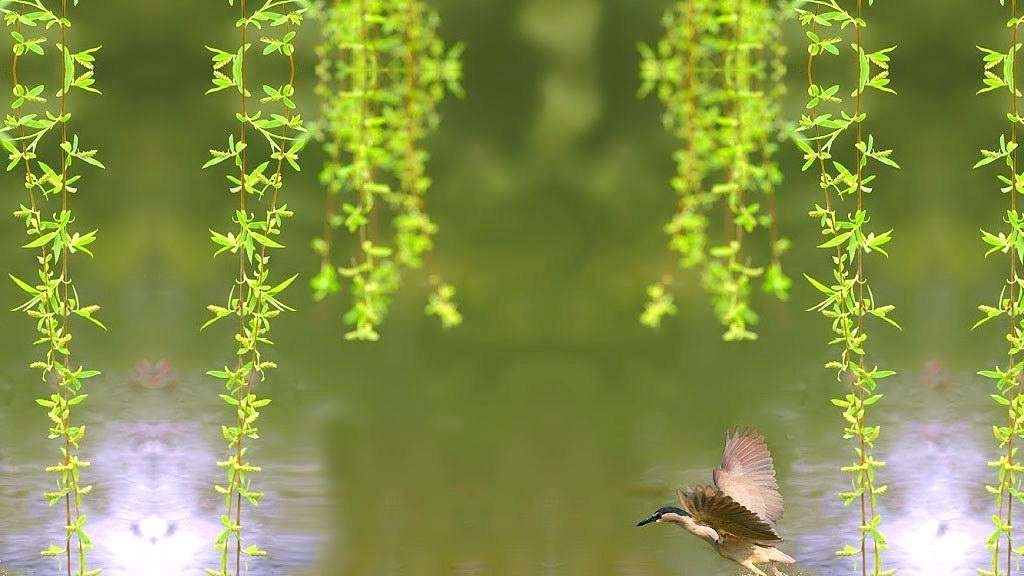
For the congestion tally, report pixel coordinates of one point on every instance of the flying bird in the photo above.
(737, 515)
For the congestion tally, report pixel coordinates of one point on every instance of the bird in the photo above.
(738, 514)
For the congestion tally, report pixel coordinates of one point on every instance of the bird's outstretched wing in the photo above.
(711, 507)
(747, 474)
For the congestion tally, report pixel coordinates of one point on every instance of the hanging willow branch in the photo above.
(768, 176)
(36, 135)
(729, 272)
(1001, 75)
(267, 141)
(383, 72)
(719, 73)
(843, 219)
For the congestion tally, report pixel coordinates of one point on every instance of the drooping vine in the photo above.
(265, 147)
(1000, 77)
(730, 272)
(383, 71)
(719, 73)
(768, 176)
(38, 137)
(834, 119)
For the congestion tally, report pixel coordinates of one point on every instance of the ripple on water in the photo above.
(153, 511)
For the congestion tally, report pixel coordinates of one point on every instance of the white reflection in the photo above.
(158, 522)
(159, 514)
(936, 512)
(153, 547)
(939, 520)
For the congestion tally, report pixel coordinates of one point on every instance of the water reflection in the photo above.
(154, 456)
(936, 512)
(158, 520)
(153, 511)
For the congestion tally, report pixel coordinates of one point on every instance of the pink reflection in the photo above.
(154, 375)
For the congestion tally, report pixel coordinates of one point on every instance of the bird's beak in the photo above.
(648, 521)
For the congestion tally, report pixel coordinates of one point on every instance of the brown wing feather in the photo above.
(711, 507)
(747, 474)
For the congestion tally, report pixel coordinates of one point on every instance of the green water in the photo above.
(531, 440)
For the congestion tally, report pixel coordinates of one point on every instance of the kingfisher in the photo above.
(738, 514)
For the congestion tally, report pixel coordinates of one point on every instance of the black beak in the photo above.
(648, 521)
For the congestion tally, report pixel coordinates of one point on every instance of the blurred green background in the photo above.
(532, 439)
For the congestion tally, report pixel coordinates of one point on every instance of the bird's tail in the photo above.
(781, 557)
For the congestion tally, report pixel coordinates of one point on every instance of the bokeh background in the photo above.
(532, 439)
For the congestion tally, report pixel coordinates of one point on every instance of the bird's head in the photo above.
(666, 514)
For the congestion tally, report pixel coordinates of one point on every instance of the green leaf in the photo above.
(264, 240)
(837, 240)
(24, 286)
(41, 241)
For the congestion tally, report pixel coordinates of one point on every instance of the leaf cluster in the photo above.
(999, 76)
(832, 138)
(719, 73)
(383, 71)
(263, 148)
(37, 137)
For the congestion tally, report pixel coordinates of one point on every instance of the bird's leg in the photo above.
(749, 565)
(776, 571)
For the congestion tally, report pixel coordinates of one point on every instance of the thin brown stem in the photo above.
(412, 167)
(21, 133)
(29, 178)
(823, 175)
(257, 327)
(1008, 481)
(740, 95)
(690, 176)
(71, 499)
(242, 275)
(369, 78)
(412, 174)
(330, 208)
(765, 157)
(361, 173)
(867, 491)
